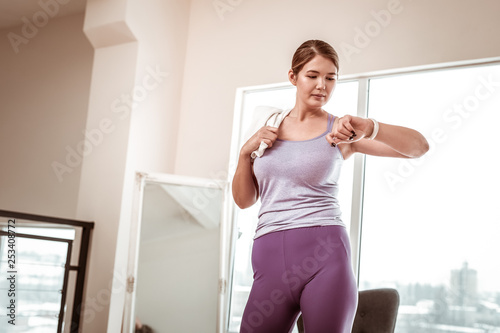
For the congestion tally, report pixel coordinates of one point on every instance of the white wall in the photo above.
(255, 41)
(44, 92)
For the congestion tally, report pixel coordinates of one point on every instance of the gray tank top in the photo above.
(298, 184)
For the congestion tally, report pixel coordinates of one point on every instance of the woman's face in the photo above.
(315, 82)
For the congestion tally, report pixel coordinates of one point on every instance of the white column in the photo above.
(103, 173)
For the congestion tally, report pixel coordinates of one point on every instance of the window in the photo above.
(430, 226)
(427, 227)
(42, 270)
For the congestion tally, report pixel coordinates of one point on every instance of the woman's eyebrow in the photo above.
(313, 71)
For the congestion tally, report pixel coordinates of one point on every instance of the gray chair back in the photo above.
(377, 312)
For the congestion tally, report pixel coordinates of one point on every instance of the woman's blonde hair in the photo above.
(309, 49)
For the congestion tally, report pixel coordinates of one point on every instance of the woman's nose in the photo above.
(321, 84)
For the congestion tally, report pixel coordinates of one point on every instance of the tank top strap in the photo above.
(330, 122)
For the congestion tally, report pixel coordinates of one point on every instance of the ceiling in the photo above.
(12, 11)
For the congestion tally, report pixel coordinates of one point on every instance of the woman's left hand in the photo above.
(348, 129)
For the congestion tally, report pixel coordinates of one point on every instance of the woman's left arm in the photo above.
(390, 141)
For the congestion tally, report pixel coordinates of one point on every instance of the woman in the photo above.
(301, 251)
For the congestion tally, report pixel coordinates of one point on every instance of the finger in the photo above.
(343, 135)
(330, 138)
(348, 129)
(353, 133)
(271, 136)
(340, 132)
(350, 134)
(336, 136)
(272, 129)
(333, 141)
(348, 126)
(265, 133)
(268, 142)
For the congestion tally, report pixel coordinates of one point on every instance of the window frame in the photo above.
(81, 244)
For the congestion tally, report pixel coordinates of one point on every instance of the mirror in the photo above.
(175, 263)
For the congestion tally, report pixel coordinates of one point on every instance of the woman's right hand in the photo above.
(267, 134)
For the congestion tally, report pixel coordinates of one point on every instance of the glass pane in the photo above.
(343, 101)
(431, 225)
(48, 231)
(38, 283)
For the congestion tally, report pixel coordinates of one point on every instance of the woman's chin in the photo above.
(316, 103)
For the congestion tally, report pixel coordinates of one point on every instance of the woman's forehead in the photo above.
(320, 64)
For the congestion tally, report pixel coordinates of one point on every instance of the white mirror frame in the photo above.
(226, 236)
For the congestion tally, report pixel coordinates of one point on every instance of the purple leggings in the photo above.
(304, 270)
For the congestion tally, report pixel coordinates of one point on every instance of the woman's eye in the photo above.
(312, 77)
(330, 78)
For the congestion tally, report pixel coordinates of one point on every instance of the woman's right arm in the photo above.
(245, 187)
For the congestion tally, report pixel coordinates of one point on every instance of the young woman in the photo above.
(301, 251)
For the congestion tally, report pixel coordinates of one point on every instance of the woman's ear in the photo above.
(292, 77)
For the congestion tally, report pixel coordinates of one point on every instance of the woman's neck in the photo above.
(302, 112)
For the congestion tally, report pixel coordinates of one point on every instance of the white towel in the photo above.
(265, 116)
